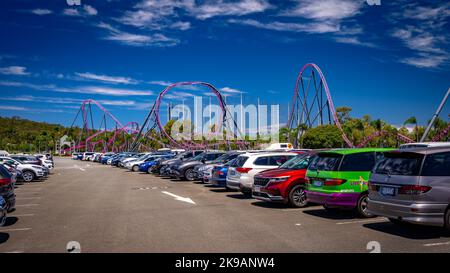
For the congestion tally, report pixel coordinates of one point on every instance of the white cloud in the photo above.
(85, 11)
(99, 90)
(41, 11)
(14, 70)
(90, 10)
(325, 9)
(222, 8)
(158, 14)
(425, 60)
(230, 90)
(106, 78)
(162, 83)
(12, 108)
(315, 27)
(423, 30)
(126, 38)
(353, 40)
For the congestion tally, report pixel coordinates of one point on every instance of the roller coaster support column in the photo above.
(435, 116)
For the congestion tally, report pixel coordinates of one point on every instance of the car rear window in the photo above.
(399, 164)
(299, 162)
(4, 172)
(326, 162)
(437, 165)
(358, 162)
(239, 162)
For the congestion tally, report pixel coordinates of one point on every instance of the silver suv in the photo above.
(412, 185)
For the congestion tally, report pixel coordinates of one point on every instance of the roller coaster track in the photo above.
(301, 112)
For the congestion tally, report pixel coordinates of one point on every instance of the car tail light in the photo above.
(243, 170)
(5, 181)
(334, 182)
(413, 189)
(307, 180)
(372, 187)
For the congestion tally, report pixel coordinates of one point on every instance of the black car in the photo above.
(7, 181)
(163, 167)
(185, 170)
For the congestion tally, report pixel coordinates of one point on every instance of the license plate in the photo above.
(257, 188)
(387, 191)
(317, 183)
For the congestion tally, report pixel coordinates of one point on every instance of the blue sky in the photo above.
(390, 61)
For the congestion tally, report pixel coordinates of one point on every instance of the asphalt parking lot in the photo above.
(107, 209)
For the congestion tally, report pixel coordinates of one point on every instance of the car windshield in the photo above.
(325, 162)
(198, 157)
(297, 163)
(399, 164)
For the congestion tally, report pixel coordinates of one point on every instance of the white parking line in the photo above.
(437, 244)
(27, 205)
(14, 229)
(22, 215)
(362, 221)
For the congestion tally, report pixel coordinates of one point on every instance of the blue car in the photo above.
(146, 166)
(219, 175)
(3, 212)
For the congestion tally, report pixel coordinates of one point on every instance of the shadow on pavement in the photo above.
(3, 237)
(269, 205)
(11, 221)
(408, 231)
(335, 214)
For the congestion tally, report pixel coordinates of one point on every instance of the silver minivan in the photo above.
(412, 185)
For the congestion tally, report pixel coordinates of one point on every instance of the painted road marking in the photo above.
(298, 224)
(27, 205)
(21, 215)
(362, 221)
(437, 244)
(35, 197)
(179, 198)
(14, 229)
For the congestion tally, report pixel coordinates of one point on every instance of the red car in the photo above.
(285, 184)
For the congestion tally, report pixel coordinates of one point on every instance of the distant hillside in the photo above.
(17, 134)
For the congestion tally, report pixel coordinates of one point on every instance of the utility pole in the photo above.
(438, 111)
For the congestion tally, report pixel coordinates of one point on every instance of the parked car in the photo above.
(27, 159)
(242, 171)
(3, 212)
(30, 172)
(412, 185)
(204, 171)
(163, 167)
(339, 178)
(218, 175)
(74, 156)
(424, 145)
(148, 166)
(104, 158)
(87, 156)
(7, 181)
(133, 165)
(286, 184)
(185, 169)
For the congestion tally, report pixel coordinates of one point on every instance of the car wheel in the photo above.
(189, 174)
(447, 221)
(2, 217)
(297, 197)
(28, 176)
(362, 207)
(135, 168)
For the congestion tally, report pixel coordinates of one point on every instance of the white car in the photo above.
(29, 172)
(424, 145)
(241, 172)
(87, 156)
